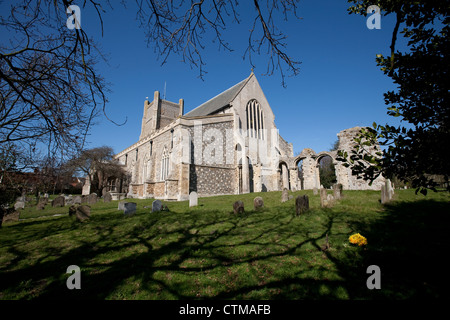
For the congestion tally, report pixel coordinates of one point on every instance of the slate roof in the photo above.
(218, 102)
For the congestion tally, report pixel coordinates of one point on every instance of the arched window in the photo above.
(165, 165)
(255, 120)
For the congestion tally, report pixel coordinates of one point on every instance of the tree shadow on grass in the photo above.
(407, 243)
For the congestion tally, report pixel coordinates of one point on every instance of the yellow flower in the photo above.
(358, 239)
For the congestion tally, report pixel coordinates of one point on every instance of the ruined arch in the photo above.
(326, 165)
(283, 175)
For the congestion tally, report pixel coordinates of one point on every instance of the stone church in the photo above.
(227, 145)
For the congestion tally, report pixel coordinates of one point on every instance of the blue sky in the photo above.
(339, 85)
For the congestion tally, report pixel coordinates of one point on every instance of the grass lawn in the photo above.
(208, 253)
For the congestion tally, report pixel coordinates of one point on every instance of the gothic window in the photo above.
(165, 165)
(255, 120)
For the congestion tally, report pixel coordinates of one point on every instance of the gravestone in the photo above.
(238, 207)
(73, 210)
(68, 201)
(41, 204)
(315, 191)
(323, 197)
(193, 199)
(19, 205)
(83, 213)
(386, 191)
(337, 191)
(77, 200)
(92, 198)
(107, 197)
(129, 208)
(301, 204)
(156, 206)
(330, 198)
(121, 205)
(284, 195)
(258, 203)
(59, 201)
(11, 216)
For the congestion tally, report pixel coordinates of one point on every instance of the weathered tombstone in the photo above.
(107, 197)
(59, 201)
(92, 198)
(386, 191)
(258, 203)
(301, 204)
(330, 199)
(129, 208)
(68, 200)
(73, 210)
(121, 205)
(193, 199)
(238, 207)
(41, 204)
(284, 195)
(11, 216)
(323, 197)
(19, 205)
(83, 212)
(156, 206)
(77, 200)
(337, 191)
(315, 191)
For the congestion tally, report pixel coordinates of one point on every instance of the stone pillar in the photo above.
(293, 178)
(245, 175)
(181, 104)
(183, 182)
(285, 176)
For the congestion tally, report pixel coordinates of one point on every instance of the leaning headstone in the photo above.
(323, 197)
(315, 191)
(77, 200)
(156, 206)
(301, 204)
(193, 199)
(92, 198)
(83, 213)
(238, 207)
(59, 201)
(337, 191)
(129, 208)
(73, 210)
(107, 197)
(258, 203)
(284, 195)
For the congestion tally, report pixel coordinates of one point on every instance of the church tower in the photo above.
(158, 114)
